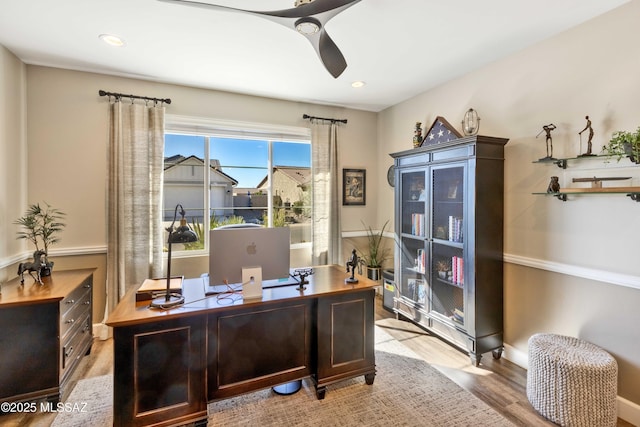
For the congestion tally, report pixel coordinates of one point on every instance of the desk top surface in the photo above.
(325, 281)
(54, 287)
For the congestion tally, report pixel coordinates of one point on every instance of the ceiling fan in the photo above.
(309, 18)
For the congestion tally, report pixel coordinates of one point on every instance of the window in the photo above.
(242, 174)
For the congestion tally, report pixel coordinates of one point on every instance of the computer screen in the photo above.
(232, 249)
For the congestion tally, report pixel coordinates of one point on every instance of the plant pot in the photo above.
(374, 273)
(629, 152)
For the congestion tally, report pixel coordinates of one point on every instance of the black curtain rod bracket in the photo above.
(132, 97)
(312, 118)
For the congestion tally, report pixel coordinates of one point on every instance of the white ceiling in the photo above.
(398, 47)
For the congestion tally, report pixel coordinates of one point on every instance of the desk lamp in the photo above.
(183, 234)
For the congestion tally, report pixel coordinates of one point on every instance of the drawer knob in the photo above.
(70, 321)
(87, 302)
(71, 301)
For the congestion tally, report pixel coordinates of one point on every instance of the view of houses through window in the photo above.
(222, 180)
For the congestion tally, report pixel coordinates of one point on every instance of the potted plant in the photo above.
(41, 226)
(375, 255)
(623, 144)
(442, 267)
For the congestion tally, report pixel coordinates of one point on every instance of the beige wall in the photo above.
(13, 156)
(590, 70)
(67, 164)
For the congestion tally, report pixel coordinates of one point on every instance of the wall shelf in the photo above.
(563, 162)
(632, 192)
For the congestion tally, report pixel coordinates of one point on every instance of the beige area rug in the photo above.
(407, 392)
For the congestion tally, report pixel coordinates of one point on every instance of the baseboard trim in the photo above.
(627, 410)
(102, 331)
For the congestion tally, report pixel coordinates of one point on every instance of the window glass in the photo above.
(241, 188)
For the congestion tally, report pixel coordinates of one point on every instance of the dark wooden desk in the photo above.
(169, 364)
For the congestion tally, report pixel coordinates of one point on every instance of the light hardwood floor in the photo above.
(499, 383)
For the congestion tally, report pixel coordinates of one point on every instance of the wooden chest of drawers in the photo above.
(44, 332)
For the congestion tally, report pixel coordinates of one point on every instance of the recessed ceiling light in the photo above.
(358, 84)
(112, 40)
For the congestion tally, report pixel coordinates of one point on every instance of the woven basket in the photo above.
(572, 382)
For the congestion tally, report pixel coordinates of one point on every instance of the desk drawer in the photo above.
(74, 296)
(73, 348)
(78, 310)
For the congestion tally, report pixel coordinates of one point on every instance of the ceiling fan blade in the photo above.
(305, 10)
(319, 11)
(329, 53)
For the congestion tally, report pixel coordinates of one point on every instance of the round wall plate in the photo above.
(391, 176)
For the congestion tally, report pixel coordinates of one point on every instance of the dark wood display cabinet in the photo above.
(45, 330)
(449, 231)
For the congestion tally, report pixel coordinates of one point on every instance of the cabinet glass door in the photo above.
(447, 243)
(413, 254)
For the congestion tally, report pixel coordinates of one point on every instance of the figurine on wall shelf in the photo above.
(554, 185)
(353, 262)
(417, 135)
(548, 140)
(589, 143)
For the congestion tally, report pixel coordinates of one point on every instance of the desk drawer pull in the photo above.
(70, 321)
(68, 352)
(71, 301)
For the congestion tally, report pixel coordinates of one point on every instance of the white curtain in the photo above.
(134, 197)
(326, 208)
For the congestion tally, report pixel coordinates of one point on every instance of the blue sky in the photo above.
(248, 157)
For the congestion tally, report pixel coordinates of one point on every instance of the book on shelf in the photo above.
(458, 315)
(455, 229)
(417, 224)
(421, 259)
(457, 270)
(153, 288)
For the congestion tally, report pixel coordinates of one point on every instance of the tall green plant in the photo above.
(375, 255)
(41, 224)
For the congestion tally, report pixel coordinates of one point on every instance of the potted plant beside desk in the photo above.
(375, 255)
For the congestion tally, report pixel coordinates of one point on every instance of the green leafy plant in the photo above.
(41, 224)
(624, 144)
(375, 255)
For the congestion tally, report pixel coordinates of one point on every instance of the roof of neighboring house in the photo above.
(171, 162)
(302, 176)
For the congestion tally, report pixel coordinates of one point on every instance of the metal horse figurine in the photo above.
(32, 266)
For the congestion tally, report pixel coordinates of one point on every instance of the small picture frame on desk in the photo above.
(353, 187)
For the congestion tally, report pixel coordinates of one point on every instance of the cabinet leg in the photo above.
(368, 378)
(475, 359)
(497, 353)
(320, 392)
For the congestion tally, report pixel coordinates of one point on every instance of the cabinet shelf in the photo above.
(632, 192)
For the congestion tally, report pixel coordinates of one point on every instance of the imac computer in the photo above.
(244, 257)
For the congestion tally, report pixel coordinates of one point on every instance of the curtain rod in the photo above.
(132, 97)
(312, 118)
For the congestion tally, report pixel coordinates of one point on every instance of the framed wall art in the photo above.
(353, 187)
